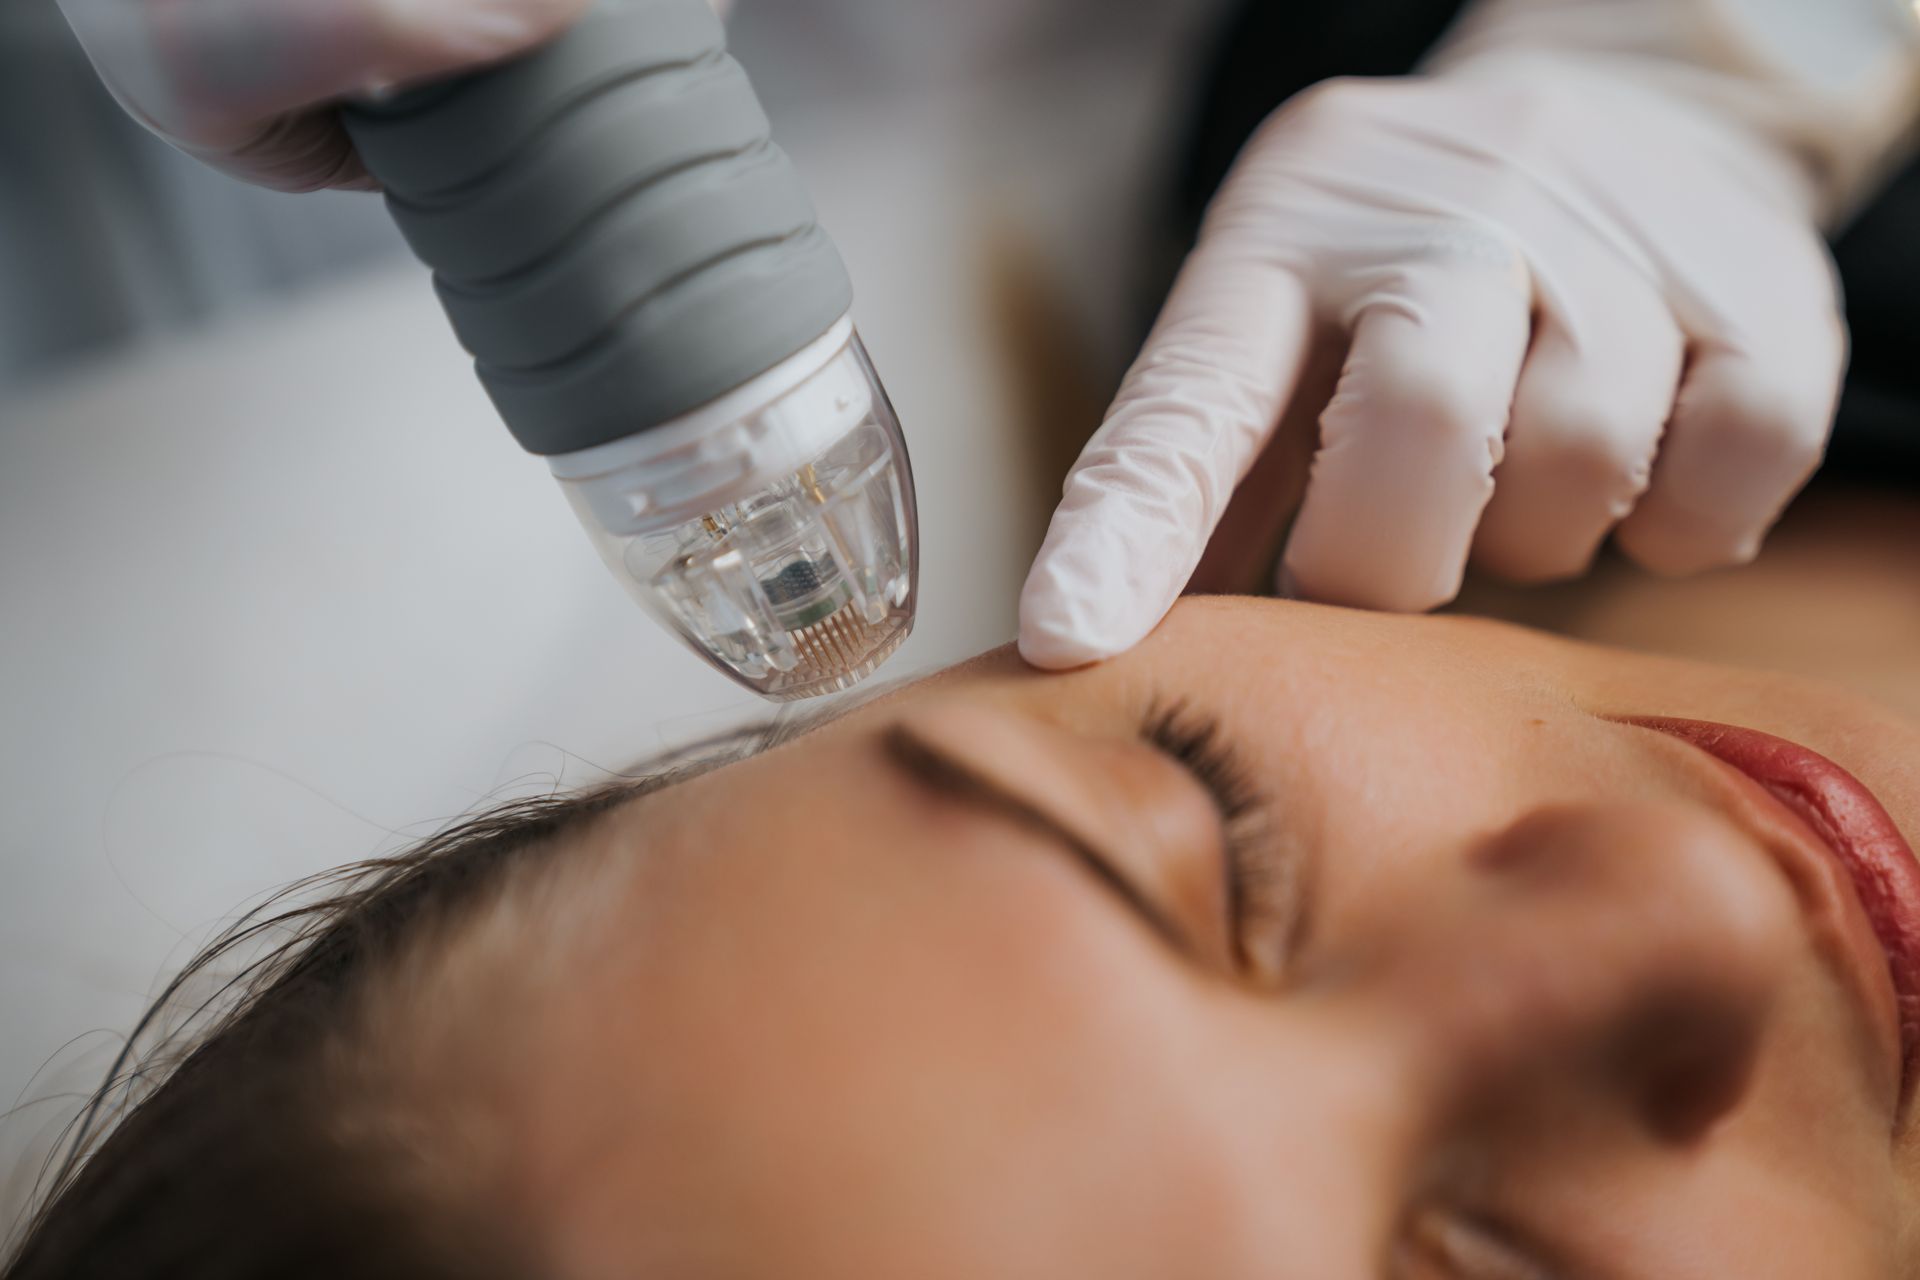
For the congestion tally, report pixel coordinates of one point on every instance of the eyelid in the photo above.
(1266, 876)
(944, 772)
(1157, 810)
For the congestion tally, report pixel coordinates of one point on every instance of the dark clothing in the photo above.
(1272, 49)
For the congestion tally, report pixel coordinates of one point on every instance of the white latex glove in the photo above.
(1579, 272)
(244, 84)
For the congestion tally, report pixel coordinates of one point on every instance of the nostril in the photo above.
(1685, 1065)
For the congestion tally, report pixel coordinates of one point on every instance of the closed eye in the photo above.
(1265, 876)
(943, 773)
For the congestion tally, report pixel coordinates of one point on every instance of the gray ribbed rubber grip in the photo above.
(611, 229)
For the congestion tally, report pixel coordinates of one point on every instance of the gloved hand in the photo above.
(244, 84)
(1580, 277)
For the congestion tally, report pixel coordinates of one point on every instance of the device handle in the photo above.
(612, 230)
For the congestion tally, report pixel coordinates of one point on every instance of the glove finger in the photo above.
(1409, 443)
(1746, 434)
(1758, 299)
(1587, 419)
(1146, 493)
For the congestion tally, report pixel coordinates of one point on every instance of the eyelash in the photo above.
(1255, 890)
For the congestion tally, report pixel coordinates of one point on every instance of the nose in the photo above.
(1635, 946)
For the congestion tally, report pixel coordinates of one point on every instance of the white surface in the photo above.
(279, 595)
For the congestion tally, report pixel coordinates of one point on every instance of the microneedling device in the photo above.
(654, 309)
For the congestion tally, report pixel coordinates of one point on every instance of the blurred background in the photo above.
(277, 589)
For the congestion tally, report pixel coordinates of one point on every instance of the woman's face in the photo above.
(1462, 977)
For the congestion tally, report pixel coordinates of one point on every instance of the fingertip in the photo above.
(1747, 434)
(1065, 624)
(1053, 651)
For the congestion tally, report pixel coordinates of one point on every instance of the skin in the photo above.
(1842, 556)
(1565, 998)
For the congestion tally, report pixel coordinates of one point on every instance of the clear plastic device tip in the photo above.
(774, 530)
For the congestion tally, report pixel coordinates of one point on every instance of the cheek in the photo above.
(994, 1068)
(1021, 1080)
(977, 1065)
(1730, 1212)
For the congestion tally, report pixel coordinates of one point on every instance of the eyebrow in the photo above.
(934, 768)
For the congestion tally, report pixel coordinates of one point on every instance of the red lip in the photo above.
(1852, 824)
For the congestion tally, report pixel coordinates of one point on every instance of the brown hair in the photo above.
(229, 1159)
